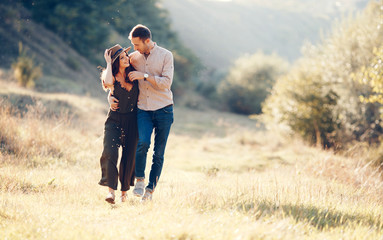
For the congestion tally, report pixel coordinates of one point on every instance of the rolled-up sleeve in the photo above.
(165, 80)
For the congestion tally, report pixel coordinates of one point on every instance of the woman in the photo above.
(120, 125)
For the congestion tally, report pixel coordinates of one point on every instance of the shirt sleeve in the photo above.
(165, 80)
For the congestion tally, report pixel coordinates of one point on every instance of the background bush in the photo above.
(24, 69)
(305, 103)
(249, 82)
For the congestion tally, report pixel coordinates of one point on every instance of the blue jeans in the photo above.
(161, 121)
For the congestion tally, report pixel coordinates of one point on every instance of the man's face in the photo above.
(139, 45)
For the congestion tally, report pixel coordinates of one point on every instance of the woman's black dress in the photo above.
(120, 130)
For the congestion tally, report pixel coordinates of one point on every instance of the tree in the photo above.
(331, 65)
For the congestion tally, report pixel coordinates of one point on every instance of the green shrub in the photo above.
(305, 103)
(24, 69)
(249, 82)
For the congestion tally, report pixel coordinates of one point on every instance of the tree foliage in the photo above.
(325, 73)
(79, 23)
(91, 26)
(372, 75)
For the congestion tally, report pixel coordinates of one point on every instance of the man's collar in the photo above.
(151, 50)
(154, 47)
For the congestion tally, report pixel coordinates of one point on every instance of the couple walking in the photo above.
(140, 100)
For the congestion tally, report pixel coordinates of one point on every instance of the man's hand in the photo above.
(113, 102)
(135, 75)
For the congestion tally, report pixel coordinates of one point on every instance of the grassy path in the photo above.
(225, 177)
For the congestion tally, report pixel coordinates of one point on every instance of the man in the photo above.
(154, 73)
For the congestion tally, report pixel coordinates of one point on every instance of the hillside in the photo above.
(221, 31)
(64, 69)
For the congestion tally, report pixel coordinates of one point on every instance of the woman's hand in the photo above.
(107, 56)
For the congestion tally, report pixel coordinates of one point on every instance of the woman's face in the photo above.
(124, 60)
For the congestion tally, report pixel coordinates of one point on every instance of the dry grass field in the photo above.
(225, 177)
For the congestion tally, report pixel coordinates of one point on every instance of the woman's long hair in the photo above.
(115, 69)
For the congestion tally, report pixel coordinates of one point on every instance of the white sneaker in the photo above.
(148, 195)
(139, 188)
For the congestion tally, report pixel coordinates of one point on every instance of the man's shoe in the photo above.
(148, 195)
(139, 188)
(110, 198)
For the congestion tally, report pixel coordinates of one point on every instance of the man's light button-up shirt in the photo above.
(159, 64)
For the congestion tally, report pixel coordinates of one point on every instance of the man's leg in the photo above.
(145, 129)
(163, 119)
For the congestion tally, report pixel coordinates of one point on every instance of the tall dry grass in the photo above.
(32, 138)
(224, 178)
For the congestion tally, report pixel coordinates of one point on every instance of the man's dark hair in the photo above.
(140, 31)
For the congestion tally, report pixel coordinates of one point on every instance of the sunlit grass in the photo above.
(224, 177)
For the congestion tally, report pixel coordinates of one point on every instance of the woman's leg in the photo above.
(127, 164)
(109, 157)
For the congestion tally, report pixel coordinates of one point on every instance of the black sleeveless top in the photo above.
(127, 100)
